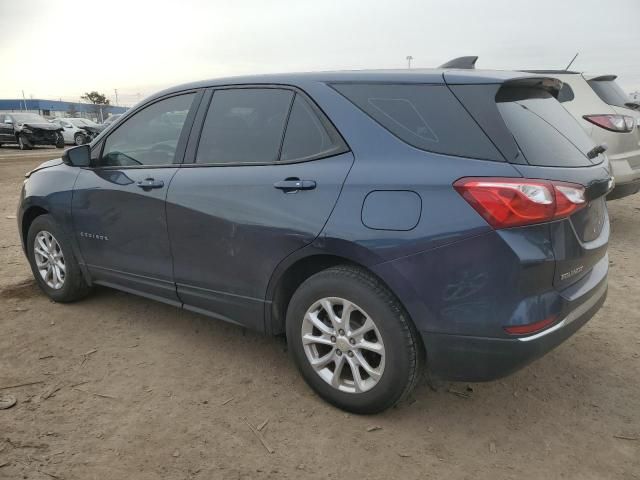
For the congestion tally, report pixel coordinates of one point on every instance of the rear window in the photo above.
(545, 132)
(427, 117)
(610, 92)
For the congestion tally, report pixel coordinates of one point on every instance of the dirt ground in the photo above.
(132, 389)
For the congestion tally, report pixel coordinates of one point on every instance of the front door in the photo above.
(267, 173)
(119, 204)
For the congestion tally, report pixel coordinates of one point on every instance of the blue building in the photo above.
(55, 108)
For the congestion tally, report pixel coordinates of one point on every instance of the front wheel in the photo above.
(60, 141)
(52, 261)
(24, 143)
(79, 139)
(352, 340)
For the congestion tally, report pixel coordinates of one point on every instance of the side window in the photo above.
(565, 94)
(244, 125)
(309, 135)
(428, 117)
(6, 119)
(150, 137)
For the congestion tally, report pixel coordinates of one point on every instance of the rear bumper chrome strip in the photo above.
(573, 315)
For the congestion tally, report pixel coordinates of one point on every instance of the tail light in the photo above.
(613, 123)
(513, 202)
(530, 328)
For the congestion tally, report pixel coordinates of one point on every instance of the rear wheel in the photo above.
(60, 141)
(352, 341)
(52, 261)
(24, 143)
(79, 139)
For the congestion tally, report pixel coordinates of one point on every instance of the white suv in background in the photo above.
(610, 117)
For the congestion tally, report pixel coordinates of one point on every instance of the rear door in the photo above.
(266, 172)
(118, 205)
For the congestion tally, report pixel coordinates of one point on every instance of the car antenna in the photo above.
(572, 60)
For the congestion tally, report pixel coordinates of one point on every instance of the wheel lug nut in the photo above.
(333, 339)
(350, 353)
(339, 352)
(341, 332)
(352, 341)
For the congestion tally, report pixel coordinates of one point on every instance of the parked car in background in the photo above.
(610, 117)
(111, 119)
(29, 129)
(605, 112)
(78, 130)
(382, 220)
(72, 133)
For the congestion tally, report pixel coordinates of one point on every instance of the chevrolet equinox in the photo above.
(386, 222)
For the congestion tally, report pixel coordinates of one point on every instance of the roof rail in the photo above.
(461, 62)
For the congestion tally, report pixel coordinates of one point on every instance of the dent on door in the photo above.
(120, 222)
(230, 227)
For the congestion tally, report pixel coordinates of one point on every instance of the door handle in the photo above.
(292, 185)
(149, 183)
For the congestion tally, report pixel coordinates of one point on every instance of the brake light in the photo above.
(613, 123)
(513, 202)
(530, 327)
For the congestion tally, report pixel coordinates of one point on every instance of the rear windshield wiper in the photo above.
(597, 150)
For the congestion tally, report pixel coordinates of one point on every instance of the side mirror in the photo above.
(79, 156)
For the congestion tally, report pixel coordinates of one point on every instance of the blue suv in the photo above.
(387, 222)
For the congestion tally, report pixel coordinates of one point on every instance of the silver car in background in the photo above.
(611, 118)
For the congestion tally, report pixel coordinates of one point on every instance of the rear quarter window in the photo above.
(427, 117)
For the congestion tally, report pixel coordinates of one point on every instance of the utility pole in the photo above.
(116, 90)
(24, 100)
(409, 58)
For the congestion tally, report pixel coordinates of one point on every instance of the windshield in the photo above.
(27, 117)
(82, 122)
(610, 92)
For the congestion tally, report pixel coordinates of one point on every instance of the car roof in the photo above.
(416, 75)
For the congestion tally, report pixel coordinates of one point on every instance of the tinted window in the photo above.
(244, 126)
(610, 92)
(565, 94)
(150, 137)
(309, 134)
(545, 132)
(428, 117)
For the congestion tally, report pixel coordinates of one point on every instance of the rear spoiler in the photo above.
(551, 85)
(467, 63)
(603, 78)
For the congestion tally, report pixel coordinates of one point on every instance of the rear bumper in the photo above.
(624, 189)
(478, 359)
(626, 170)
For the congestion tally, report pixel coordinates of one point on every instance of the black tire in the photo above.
(24, 143)
(403, 347)
(60, 141)
(79, 139)
(74, 286)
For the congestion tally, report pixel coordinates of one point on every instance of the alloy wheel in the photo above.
(49, 259)
(343, 345)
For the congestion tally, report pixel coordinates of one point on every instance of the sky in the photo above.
(61, 49)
